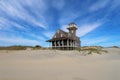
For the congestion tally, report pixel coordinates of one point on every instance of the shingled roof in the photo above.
(65, 35)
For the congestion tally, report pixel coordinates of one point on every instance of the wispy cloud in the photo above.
(64, 27)
(18, 9)
(103, 40)
(66, 18)
(49, 34)
(110, 44)
(115, 4)
(86, 28)
(94, 41)
(39, 37)
(7, 24)
(99, 5)
(36, 21)
(18, 41)
(58, 4)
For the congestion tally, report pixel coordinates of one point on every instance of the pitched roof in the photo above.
(59, 32)
(65, 35)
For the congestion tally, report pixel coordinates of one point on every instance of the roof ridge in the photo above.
(62, 30)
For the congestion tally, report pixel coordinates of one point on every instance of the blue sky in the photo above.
(32, 22)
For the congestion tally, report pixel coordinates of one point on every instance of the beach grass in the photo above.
(92, 49)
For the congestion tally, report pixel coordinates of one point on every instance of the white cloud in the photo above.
(66, 18)
(105, 41)
(86, 28)
(7, 24)
(58, 4)
(38, 37)
(99, 5)
(115, 4)
(110, 44)
(49, 34)
(94, 41)
(64, 27)
(18, 41)
(17, 9)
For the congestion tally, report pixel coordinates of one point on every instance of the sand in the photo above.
(59, 65)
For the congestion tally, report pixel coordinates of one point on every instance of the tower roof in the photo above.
(72, 25)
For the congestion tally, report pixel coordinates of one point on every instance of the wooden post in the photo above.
(62, 44)
(49, 45)
(55, 44)
(67, 47)
(74, 44)
(58, 44)
(70, 43)
(67, 43)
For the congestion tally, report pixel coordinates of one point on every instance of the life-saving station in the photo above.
(66, 40)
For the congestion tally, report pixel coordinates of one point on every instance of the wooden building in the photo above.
(66, 40)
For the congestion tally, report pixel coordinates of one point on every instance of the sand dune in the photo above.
(59, 65)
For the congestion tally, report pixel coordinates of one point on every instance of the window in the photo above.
(61, 35)
(72, 31)
(55, 36)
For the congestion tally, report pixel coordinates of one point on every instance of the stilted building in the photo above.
(66, 40)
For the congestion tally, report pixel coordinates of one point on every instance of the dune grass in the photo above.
(13, 48)
(92, 49)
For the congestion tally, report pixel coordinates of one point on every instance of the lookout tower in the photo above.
(72, 27)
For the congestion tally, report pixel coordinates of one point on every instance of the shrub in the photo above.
(115, 47)
(37, 47)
